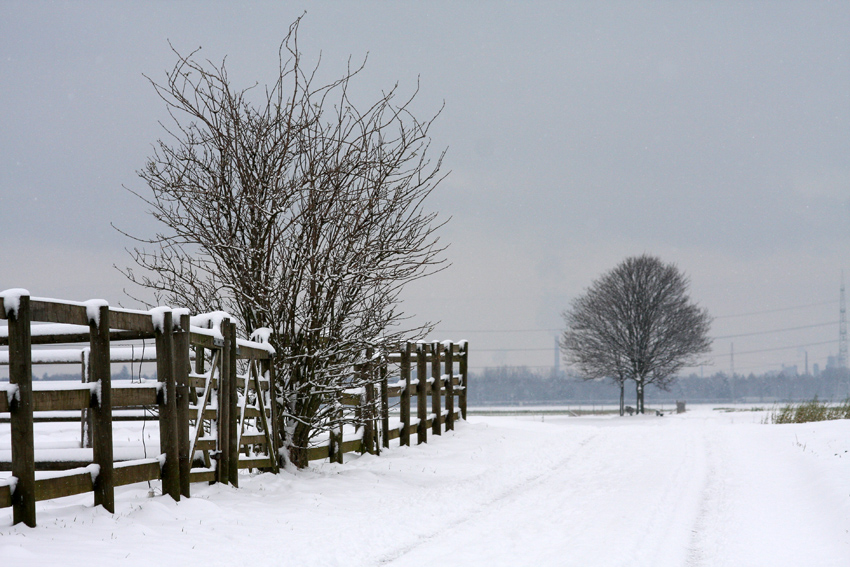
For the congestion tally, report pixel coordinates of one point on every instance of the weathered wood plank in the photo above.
(66, 485)
(101, 372)
(436, 398)
(263, 462)
(23, 454)
(232, 447)
(182, 366)
(59, 312)
(205, 444)
(202, 476)
(61, 399)
(5, 489)
(137, 472)
(393, 433)
(350, 446)
(404, 402)
(462, 370)
(168, 435)
(448, 372)
(421, 393)
(385, 405)
(317, 453)
(132, 396)
(133, 321)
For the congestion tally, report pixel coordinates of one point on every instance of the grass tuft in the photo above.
(813, 410)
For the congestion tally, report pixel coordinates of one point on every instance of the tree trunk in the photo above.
(298, 447)
(639, 396)
(622, 398)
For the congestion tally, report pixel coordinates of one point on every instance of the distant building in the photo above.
(816, 369)
(789, 370)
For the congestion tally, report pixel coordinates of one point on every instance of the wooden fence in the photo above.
(215, 416)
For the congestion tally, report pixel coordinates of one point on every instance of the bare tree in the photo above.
(637, 323)
(294, 210)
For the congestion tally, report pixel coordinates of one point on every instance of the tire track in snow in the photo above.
(667, 520)
(514, 491)
(700, 551)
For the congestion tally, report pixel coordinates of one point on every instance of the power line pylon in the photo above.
(842, 328)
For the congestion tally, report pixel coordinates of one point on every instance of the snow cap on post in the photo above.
(93, 310)
(12, 300)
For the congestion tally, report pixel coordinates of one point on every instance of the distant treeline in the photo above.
(519, 385)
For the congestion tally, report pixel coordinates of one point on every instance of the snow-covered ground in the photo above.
(703, 488)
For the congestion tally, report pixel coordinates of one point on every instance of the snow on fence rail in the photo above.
(210, 427)
(372, 403)
(170, 395)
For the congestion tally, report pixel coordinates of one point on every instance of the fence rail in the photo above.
(213, 421)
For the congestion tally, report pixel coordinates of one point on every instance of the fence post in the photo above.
(101, 413)
(462, 369)
(233, 435)
(20, 374)
(448, 350)
(404, 401)
(436, 388)
(223, 433)
(421, 392)
(181, 377)
(368, 441)
(168, 410)
(385, 404)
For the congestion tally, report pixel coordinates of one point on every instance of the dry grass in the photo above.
(813, 410)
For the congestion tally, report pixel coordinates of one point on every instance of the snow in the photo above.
(211, 320)
(158, 317)
(93, 309)
(12, 299)
(702, 488)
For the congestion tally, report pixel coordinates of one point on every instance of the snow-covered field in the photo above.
(703, 488)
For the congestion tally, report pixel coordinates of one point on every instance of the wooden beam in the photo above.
(421, 395)
(462, 370)
(133, 321)
(134, 395)
(202, 476)
(436, 394)
(233, 402)
(223, 415)
(182, 365)
(385, 404)
(59, 312)
(101, 374)
(168, 409)
(60, 486)
(448, 372)
(62, 400)
(404, 403)
(20, 375)
(5, 489)
(137, 472)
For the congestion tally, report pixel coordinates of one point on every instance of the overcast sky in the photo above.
(714, 135)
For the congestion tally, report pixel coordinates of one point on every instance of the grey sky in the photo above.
(715, 135)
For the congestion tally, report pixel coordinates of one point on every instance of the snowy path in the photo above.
(705, 488)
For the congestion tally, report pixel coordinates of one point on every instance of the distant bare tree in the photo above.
(637, 323)
(291, 209)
